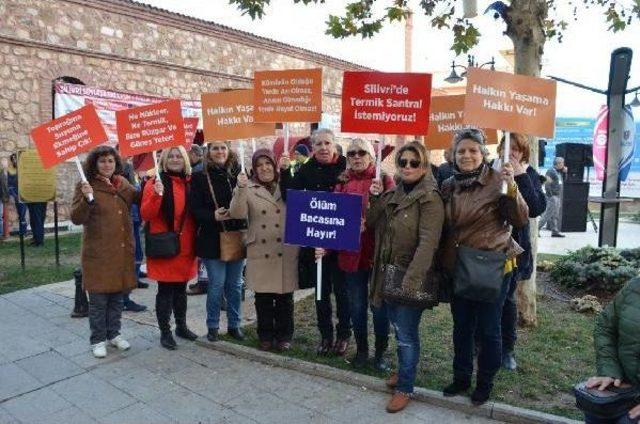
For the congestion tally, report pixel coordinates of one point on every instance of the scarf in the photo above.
(467, 179)
(167, 206)
(112, 183)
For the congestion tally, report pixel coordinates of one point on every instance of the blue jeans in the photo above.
(406, 320)
(471, 316)
(624, 419)
(358, 294)
(225, 276)
(21, 209)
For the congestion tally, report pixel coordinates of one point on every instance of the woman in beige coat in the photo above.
(102, 206)
(271, 265)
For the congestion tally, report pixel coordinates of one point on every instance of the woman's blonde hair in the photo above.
(164, 157)
(362, 144)
(418, 149)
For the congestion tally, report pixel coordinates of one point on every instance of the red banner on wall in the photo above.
(68, 136)
(386, 103)
(190, 128)
(150, 128)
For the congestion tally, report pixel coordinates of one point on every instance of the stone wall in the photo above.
(127, 46)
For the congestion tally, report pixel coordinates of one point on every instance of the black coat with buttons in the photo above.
(314, 176)
(203, 208)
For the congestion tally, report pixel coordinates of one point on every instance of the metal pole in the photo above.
(55, 231)
(22, 262)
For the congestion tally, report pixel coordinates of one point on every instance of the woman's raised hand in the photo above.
(376, 187)
(158, 187)
(87, 190)
(507, 174)
(243, 180)
(284, 162)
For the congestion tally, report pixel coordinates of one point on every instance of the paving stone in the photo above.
(138, 413)
(266, 407)
(49, 367)
(15, 381)
(37, 406)
(189, 407)
(7, 418)
(85, 390)
(72, 415)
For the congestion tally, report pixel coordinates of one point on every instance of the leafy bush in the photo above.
(596, 269)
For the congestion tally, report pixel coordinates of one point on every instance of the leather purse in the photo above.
(606, 404)
(231, 242)
(163, 245)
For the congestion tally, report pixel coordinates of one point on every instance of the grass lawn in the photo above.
(551, 358)
(40, 263)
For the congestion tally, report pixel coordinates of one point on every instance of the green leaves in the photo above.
(253, 8)
(465, 36)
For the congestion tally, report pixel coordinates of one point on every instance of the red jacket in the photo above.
(183, 267)
(359, 183)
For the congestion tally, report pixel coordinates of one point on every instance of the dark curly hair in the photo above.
(91, 163)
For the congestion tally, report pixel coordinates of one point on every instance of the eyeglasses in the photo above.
(359, 153)
(414, 163)
(216, 148)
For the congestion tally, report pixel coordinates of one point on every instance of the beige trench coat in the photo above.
(272, 266)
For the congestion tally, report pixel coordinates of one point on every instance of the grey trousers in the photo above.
(105, 311)
(551, 216)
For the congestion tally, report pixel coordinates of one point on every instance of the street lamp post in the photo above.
(471, 63)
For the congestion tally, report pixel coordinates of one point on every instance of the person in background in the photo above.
(528, 182)
(221, 169)
(37, 216)
(321, 173)
(301, 156)
(195, 158)
(271, 265)
(553, 187)
(617, 350)
(107, 244)
(12, 183)
(4, 198)
(357, 266)
(165, 209)
(445, 170)
(479, 216)
(339, 149)
(408, 222)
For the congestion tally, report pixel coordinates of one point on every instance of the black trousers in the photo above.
(333, 280)
(171, 297)
(105, 313)
(275, 316)
(510, 317)
(37, 215)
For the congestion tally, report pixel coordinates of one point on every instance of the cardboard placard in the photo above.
(509, 102)
(323, 219)
(386, 103)
(190, 128)
(292, 95)
(68, 136)
(149, 128)
(229, 116)
(36, 183)
(445, 117)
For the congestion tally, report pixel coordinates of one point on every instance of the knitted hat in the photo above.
(302, 149)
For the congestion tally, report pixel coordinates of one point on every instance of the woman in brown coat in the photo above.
(479, 216)
(271, 265)
(102, 206)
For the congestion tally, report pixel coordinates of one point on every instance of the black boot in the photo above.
(382, 342)
(180, 315)
(482, 393)
(163, 314)
(362, 352)
(458, 386)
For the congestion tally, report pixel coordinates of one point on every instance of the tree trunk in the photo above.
(524, 26)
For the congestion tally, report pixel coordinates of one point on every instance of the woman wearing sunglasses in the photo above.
(407, 221)
(357, 179)
(478, 224)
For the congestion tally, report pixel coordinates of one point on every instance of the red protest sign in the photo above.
(386, 103)
(68, 136)
(190, 128)
(149, 128)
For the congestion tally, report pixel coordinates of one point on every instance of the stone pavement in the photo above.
(47, 375)
(628, 237)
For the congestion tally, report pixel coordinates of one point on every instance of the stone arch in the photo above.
(49, 74)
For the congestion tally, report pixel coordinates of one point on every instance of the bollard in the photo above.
(81, 304)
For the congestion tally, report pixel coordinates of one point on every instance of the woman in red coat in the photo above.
(164, 208)
(357, 265)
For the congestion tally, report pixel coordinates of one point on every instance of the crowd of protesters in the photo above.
(420, 232)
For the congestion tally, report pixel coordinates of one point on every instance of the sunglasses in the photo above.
(359, 153)
(216, 148)
(413, 163)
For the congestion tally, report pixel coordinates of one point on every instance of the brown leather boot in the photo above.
(392, 381)
(398, 402)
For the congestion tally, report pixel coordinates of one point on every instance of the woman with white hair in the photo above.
(165, 209)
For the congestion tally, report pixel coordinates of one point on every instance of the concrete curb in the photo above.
(493, 410)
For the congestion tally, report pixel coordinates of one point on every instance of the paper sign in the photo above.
(323, 219)
(445, 117)
(509, 102)
(150, 128)
(229, 116)
(386, 103)
(190, 128)
(293, 95)
(68, 136)
(36, 184)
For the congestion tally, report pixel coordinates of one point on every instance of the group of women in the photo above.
(412, 235)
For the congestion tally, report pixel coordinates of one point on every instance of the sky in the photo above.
(583, 56)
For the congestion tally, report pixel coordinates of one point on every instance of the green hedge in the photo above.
(596, 268)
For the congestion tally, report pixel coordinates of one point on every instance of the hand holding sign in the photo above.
(243, 180)
(507, 174)
(284, 163)
(158, 187)
(376, 187)
(86, 190)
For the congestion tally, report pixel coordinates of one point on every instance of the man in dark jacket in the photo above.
(445, 170)
(320, 173)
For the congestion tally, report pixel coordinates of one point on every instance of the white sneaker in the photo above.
(120, 343)
(99, 349)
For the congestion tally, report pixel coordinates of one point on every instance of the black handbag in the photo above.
(163, 245)
(478, 274)
(606, 404)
